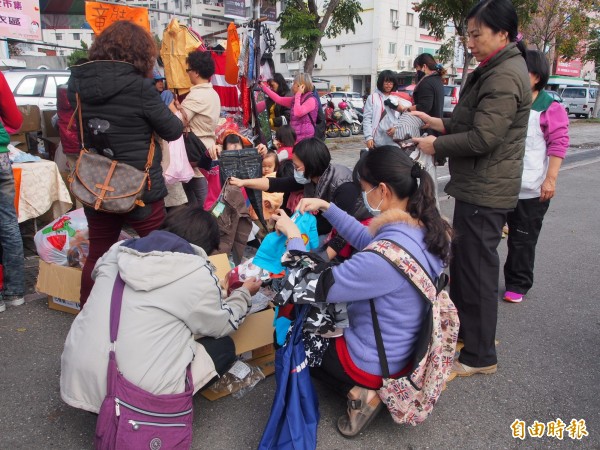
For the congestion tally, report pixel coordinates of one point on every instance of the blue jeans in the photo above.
(10, 236)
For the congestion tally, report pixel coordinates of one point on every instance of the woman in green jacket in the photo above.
(485, 143)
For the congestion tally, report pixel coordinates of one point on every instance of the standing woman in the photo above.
(279, 115)
(303, 105)
(376, 109)
(485, 141)
(121, 110)
(201, 109)
(429, 93)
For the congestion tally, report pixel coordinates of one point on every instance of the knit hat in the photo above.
(157, 76)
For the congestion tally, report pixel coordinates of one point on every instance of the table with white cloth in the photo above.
(42, 190)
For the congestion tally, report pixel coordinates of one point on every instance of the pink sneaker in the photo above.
(513, 297)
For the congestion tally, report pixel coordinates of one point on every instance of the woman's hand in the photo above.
(370, 144)
(425, 144)
(252, 284)
(283, 224)
(391, 132)
(312, 204)
(548, 188)
(302, 89)
(262, 150)
(215, 151)
(237, 182)
(434, 123)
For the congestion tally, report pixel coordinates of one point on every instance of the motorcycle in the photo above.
(350, 117)
(334, 127)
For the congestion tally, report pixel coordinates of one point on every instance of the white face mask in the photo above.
(299, 177)
(374, 211)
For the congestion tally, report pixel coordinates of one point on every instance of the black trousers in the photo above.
(474, 272)
(524, 226)
(221, 351)
(196, 190)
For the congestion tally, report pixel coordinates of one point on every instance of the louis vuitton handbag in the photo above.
(105, 184)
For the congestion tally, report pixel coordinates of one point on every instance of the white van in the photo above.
(579, 100)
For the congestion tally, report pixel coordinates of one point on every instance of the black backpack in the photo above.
(320, 125)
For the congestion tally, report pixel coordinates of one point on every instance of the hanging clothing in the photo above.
(178, 41)
(228, 93)
(232, 55)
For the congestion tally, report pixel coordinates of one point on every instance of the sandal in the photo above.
(360, 414)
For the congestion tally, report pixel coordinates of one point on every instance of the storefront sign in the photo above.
(569, 68)
(235, 9)
(20, 19)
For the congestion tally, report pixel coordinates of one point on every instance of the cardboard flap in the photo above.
(59, 281)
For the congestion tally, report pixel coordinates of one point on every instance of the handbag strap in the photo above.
(152, 143)
(385, 370)
(116, 300)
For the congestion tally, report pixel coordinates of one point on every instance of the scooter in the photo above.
(333, 119)
(350, 117)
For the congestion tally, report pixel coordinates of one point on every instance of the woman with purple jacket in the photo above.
(303, 105)
(401, 195)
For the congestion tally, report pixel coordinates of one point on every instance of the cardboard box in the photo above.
(32, 119)
(61, 284)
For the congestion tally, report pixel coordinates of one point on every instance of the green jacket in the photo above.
(4, 139)
(485, 139)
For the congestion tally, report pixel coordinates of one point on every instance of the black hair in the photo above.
(195, 225)
(538, 64)
(390, 165)
(499, 15)
(282, 87)
(272, 154)
(426, 59)
(315, 156)
(387, 75)
(286, 135)
(202, 63)
(232, 139)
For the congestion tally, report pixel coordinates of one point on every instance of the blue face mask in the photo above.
(299, 177)
(374, 211)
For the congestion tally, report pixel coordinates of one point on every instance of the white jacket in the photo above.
(168, 298)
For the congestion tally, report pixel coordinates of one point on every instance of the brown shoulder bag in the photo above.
(105, 184)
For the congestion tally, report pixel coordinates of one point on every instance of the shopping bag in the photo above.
(179, 169)
(295, 412)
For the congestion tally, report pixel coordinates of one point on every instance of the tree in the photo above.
(303, 27)
(441, 13)
(593, 55)
(559, 27)
(78, 54)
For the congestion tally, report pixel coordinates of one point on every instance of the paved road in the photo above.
(548, 361)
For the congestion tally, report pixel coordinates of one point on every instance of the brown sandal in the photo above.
(360, 414)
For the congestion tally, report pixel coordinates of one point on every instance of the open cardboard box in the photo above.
(253, 340)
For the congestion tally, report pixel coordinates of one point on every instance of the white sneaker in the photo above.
(14, 300)
(2, 306)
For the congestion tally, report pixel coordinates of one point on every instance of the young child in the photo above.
(545, 148)
(285, 138)
(271, 200)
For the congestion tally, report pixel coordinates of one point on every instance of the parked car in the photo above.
(36, 87)
(557, 98)
(579, 100)
(451, 95)
(351, 97)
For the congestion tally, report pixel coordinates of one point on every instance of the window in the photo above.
(31, 86)
(424, 24)
(407, 50)
(207, 23)
(282, 58)
(431, 51)
(77, 36)
(409, 19)
(59, 36)
(393, 15)
(338, 48)
(392, 48)
(50, 90)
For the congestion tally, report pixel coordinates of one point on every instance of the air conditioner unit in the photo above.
(401, 64)
(318, 66)
(396, 24)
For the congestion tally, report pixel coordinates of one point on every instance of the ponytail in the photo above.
(422, 206)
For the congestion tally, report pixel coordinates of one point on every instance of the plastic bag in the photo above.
(179, 169)
(65, 241)
(238, 381)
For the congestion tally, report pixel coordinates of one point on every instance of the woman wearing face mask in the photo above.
(485, 141)
(429, 92)
(318, 177)
(401, 194)
(376, 108)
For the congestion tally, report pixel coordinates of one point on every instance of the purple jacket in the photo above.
(366, 275)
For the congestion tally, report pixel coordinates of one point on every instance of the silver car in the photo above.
(36, 87)
(451, 95)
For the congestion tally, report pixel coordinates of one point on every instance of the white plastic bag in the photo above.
(179, 169)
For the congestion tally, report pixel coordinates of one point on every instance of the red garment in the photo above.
(69, 137)
(246, 104)
(346, 251)
(228, 93)
(9, 113)
(360, 376)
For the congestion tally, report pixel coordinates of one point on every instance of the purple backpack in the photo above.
(132, 418)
